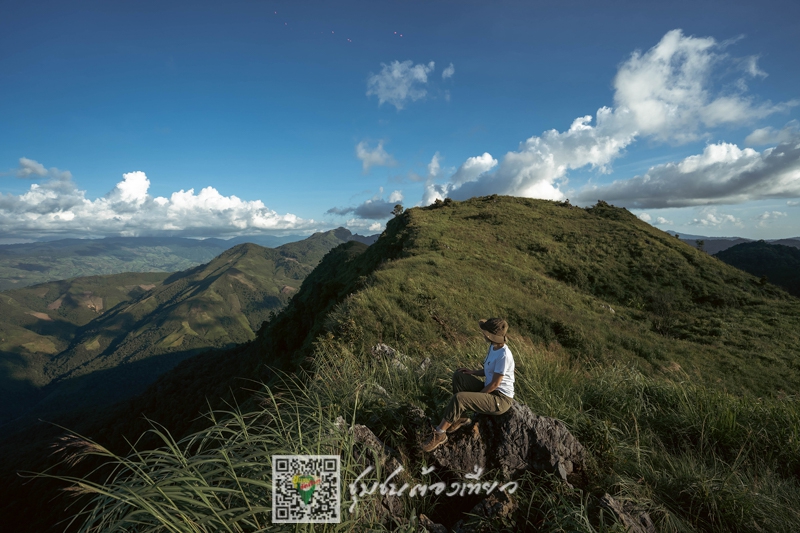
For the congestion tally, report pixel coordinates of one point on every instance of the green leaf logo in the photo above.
(305, 485)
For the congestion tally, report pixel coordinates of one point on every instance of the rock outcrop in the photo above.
(370, 451)
(629, 514)
(508, 445)
(397, 360)
(512, 443)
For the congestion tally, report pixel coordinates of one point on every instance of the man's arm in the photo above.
(473, 372)
(493, 384)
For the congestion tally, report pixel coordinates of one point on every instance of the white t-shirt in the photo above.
(500, 362)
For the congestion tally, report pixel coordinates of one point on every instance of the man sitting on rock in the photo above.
(489, 390)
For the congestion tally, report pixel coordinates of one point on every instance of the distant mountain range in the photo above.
(712, 245)
(777, 261)
(68, 345)
(27, 264)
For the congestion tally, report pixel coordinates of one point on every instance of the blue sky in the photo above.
(223, 118)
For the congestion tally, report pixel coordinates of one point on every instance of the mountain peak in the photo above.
(342, 233)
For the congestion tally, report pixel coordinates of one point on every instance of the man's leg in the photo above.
(467, 382)
(480, 402)
(466, 397)
(462, 383)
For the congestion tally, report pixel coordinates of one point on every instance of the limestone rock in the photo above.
(608, 308)
(369, 450)
(380, 390)
(424, 365)
(397, 361)
(398, 365)
(514, 442)
(634, 519)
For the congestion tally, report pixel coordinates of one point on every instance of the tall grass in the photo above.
(218, 479)
(695, 458)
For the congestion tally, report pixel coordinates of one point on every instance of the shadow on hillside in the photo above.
(17, 393)
(60, 329)
(184, 273)
(82, 398)
(78, 404)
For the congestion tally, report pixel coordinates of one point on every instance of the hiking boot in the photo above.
(455, 426)
(436, 440)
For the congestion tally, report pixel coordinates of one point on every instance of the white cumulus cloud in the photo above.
(722, 174)
(56, 206)
(767, 216)
(649, 219)
(666, 94)
(770, 135)
(709, 217)
(399, 82)
(29, 167)
(448, 72)
(377, 157)
(667, 91)
(359, 225)
(540, 162)
(433, 166)
(132, 189)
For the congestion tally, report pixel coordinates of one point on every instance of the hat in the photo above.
(494, 329)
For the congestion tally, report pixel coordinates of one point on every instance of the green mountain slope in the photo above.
(219, 304)
(597, 284)
(73, 348)
(583, 290)
(39, 322)
(65, 330)
(554, 270)
(780, 264)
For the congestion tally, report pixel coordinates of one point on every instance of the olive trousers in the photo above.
(467, 396)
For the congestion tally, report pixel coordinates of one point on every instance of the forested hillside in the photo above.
(778, 264)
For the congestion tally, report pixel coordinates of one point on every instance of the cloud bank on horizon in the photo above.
(665, 95)
(57, 207)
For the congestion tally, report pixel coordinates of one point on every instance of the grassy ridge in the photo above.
(678, 372)
(695, 458)
(556, 272)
